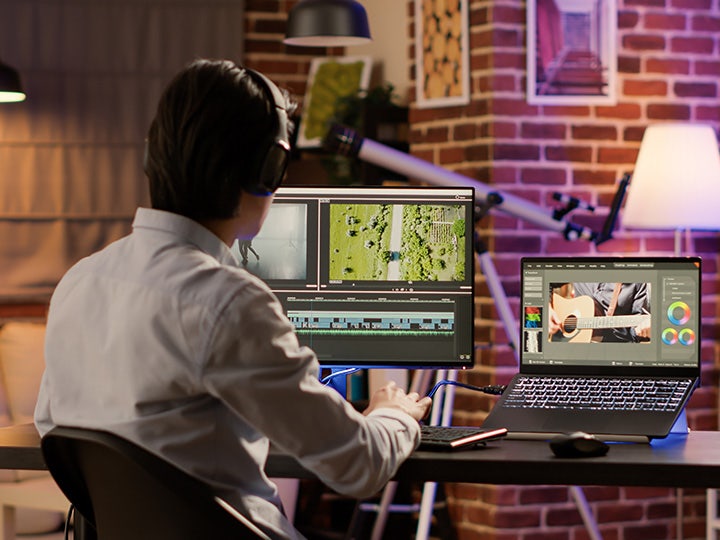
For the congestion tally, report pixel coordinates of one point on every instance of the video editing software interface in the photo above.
(372, 276)
(638, 313)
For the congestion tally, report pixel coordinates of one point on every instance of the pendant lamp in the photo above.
(10, 87)
(327, 23)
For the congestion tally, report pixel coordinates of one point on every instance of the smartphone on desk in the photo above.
(457, 437)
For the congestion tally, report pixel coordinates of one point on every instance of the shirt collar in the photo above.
(185, 229)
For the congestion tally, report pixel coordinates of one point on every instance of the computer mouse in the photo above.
(578, 444)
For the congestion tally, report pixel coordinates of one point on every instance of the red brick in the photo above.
(647, 492)
(532, 130)
(567, 110)
(664, 21)
(628, 64)
(643, 42)
(569, 153)
(502, 60)
(615, 513)
(516, 519)
(516, 152)
(633, 133)
(593, 177)
(617, 155)
(675, 66)
(661, 111)
(627, 19)
(555, 177)
(508, 14)
(645, 88)
(697, 45)
(705, 23)
(702, 90)
(563, 516)
(544, 494)
(646, 3)
(691, 4)
(622, 111)
(707, 67)
(504, 130)
(594, 132)
(648, 532)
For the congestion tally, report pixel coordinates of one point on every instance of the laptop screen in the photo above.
(611, 315)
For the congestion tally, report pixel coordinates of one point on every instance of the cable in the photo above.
(495, 389)
(334, 374)
(67, 521)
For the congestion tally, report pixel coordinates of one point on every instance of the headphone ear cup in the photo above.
(273, 168)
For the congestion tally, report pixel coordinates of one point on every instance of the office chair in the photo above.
(122, 491)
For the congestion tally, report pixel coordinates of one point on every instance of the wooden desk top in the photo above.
(691, 461)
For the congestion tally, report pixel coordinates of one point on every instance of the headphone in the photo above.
(272, 166)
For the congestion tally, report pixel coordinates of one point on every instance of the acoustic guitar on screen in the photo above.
(577, 319)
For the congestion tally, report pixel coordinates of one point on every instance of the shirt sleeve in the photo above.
(256, 366)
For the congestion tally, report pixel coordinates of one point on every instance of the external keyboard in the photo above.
(456, 437)
(597, 393)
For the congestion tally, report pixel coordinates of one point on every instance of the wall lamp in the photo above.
(327, 23)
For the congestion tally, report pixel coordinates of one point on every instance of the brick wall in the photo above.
(668, 70)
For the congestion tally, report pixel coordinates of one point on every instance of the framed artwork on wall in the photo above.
(442, 56)
(571, 52)
(329, 79)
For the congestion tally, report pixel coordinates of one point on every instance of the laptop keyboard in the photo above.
(597, 393)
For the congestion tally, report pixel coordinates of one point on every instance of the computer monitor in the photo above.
(372, 276)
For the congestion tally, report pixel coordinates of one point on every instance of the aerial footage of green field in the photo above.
(364, 246)
(431, 236)
(359, 241)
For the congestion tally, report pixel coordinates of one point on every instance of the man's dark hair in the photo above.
(213, 125)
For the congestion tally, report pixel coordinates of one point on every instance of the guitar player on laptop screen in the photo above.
(610, 346)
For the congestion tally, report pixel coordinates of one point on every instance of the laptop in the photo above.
(609, 346)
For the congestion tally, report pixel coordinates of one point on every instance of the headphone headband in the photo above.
(273, 165)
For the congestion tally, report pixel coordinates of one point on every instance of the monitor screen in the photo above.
(372, 276)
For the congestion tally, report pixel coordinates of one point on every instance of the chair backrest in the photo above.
(126, 492)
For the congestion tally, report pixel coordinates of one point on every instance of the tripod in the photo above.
(346, 141)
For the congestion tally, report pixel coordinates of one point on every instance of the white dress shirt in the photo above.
(163, 339)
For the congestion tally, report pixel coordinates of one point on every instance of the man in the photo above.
(628, 302)
(164, 339)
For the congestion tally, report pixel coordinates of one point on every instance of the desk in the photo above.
(691, 461)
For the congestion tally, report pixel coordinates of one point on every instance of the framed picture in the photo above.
(329, 79)
(442, 53)
(571, 52)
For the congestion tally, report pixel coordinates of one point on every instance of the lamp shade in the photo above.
(10, 87)
(676, 182)
(327, 23)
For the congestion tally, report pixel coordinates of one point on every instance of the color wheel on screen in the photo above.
(678, 313)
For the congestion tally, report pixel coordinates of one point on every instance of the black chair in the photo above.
(122, 491)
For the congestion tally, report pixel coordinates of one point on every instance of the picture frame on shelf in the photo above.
(571, 52)
(329, 79)
(442, 55)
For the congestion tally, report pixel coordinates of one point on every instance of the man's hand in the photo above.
(395, 398)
